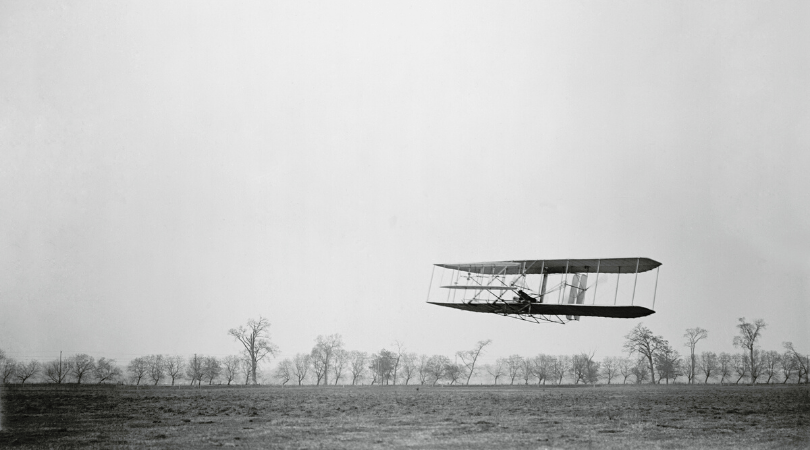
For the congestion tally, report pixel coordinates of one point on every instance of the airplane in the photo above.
(486, 288)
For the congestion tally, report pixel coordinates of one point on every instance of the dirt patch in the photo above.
(674, 416)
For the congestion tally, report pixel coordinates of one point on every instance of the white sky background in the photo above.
(169, 171)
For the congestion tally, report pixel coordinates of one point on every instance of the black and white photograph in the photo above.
(405, 224)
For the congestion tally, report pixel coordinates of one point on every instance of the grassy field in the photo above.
(675, 416)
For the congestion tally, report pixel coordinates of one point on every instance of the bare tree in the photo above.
(668, 363)
(357, 365)
(640, 370)
(256, 341)
(436, 366)
(801, 363)
(513, 365)
(625, 367)
(454, 372)
(527, 370)
(212, 368)
(693, 335)
(157, 367)
(231, 364)
(57, 370)
(301, 365)
(770, 363)
(470, 357)
(322, 354)
(561, 366)
(543, 367)
(81, 365)
(26, 371)
(340, 359)
(708, 365)
(724, 365)
(106, 370)
(789, 365)
(246, 368)
(739, 362)
(174, 367)
(749, 333)
(8, 368)
(584, 368)
(397, 359)
(609, 367)
(138, 368)
(422, 369)
(408, 363)
(284, 371)
(496, 370)
(194, 369)
(641, 341)
(382, 366)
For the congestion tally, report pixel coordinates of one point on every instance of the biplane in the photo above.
(521, 289)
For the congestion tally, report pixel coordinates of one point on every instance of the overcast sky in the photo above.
(168, 171)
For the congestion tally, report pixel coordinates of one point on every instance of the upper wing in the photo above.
(537, 266)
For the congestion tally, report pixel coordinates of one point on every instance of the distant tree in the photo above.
(175, 365)
(409, 362)
(212, 368)
(322, 355)
(725, 365)
(26, 371)
(246, 368)
(708, 365)
(643, 342)
(470, 357)
(693, 335)
(231, 365)
(668, 363)
(802, 363)
(789, 365)
(770, 364)
(543, 367)
(527, 370)
(57, 371)
(284, 371)
(357, 365)
(138, 368)
(625, 367)
(436, 366)
(609, 367)
(195, 369)
(640, 370)
(256, 341)
(340, 361)
(584, 368)
(8, 368)
(301, 365)
(382, 366)
(156, 368)
(81, 365)
(560, 366)
(106, 370)
(397, 360)
(749, 334)
(497, 370)
(422, 369)
(454, 372)
(514, 364)
(739, 362)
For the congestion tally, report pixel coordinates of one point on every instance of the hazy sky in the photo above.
(168, 171)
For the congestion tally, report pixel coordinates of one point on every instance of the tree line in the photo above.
(650, 358)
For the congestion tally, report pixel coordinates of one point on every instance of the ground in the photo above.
(607, 416)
